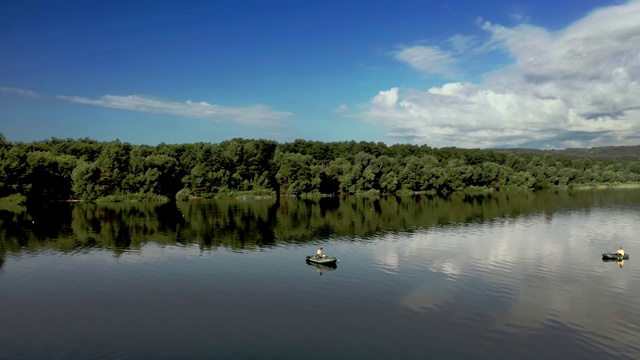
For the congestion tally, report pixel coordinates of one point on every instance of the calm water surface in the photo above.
(489, 277)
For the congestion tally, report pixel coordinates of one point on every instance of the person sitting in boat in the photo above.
(319, 254)
(620, 252)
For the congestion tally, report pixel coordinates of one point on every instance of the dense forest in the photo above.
(85, 169)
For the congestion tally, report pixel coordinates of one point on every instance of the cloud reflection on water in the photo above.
(541, 268)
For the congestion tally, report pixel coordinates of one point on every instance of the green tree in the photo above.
(295, 175)
(339, 174)
(113, 163)
(85, 178)
(48, 175)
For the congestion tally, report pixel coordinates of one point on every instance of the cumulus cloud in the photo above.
(578, 87)
(257, 115)
(17, 91)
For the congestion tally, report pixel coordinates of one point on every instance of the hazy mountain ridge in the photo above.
(631, 153)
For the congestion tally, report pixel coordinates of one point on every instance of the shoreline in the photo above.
(13, 201)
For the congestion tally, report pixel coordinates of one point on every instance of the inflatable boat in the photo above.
(614, 256)
(322, 260)
(330, 266)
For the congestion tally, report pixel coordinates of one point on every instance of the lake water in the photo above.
(501, 276)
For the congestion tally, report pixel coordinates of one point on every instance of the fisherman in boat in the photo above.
(320, 255)
(620, 252)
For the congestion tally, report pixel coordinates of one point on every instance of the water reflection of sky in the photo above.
(511, 287)
(529, 271)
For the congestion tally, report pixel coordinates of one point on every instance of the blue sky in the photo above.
(473, 74)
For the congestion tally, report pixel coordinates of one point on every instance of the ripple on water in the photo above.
(503, 288)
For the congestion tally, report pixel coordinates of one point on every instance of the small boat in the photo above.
(322, 260)
(329, 266)
(614, 256)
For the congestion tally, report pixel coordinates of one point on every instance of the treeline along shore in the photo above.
(85, 169)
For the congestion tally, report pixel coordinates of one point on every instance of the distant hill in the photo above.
(631, 153)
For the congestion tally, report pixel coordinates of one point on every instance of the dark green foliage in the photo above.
(48, 175)
(235, 165)
(58, 169)
(297, 174)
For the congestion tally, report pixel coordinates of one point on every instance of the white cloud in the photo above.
(460, 43)
(342, 109)
(518, 17)
(17, 91)
(429, 59)
(576, 87)
(250, 115)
